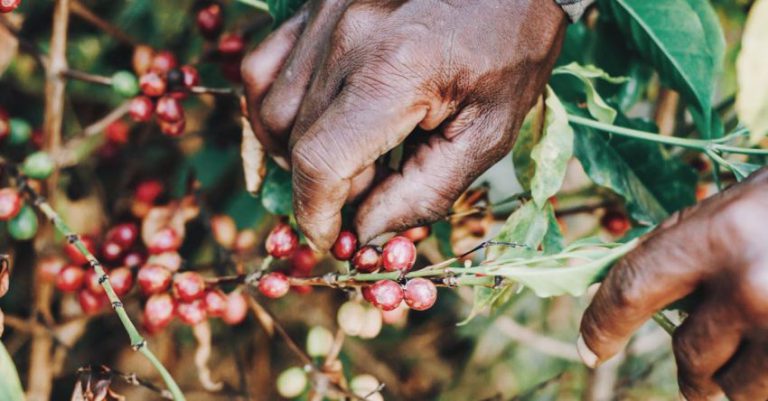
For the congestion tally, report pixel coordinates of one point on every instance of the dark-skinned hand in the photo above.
(345, 81)
(719, 250)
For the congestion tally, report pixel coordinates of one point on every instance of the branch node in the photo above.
(72, 238)
(103, 278)
(138, 345)
(497, 281)
(331, 279)
(117, 304)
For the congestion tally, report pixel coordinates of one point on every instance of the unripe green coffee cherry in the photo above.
(291, 383)
(364, 385)
(23, 227)
(21, 131)
(351, 318)
(38, 165)
(319, 341)
(125, 84)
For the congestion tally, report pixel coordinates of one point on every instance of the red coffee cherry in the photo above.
(124, 234)
(117, 132)
(169, 109)
(416, 234)
(173, 129)
(134, 259)
(7, 6)
(237, 308)
(282, 241)
(303, 260)
(121, 280)
(158, 312)
(148, 191)
(91, 303)
(386, 295)
(231, 45)
(215, 302)
(10, 203)
(163, 62)
(49, 267)
(191, 76)
(164, 240)
(75, 255)
(141, 108)
(210, 21)
(420, 294)
(70, 278)
(111, 251)
(367, 259)
(142, 59)
(399, 254)
(615, 223)
(188, 286)
(152, 84)
(153, 279)
(345, 245)
(191, 313)
(274, 285)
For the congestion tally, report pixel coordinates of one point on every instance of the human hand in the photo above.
(718, 250)
(345, 81)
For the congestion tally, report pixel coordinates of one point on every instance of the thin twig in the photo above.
(77, 148)
(89, 16)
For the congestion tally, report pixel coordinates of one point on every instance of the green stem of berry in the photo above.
(261, 5)
(138, 343)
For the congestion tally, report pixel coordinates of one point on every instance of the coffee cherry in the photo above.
(49, 267)
(169, 109)
(153, 279)
(191, 313)
(142, 59)
(371, 324)
(231, 45)
(170, 260)
(164, 240)
(291, 383)
(274, 285)
(70, 278)
(215, 302)
(163, 62)
(224, 230)
(397, 317)
(615, 223)
(117, 132)
(91, 303)
(121, 280)
(75, 255)
(303, 260)
(10, 203)
(351, 318)
(237, 308)
(5, 125)
(367, 294)
(172, 129)
(148, 191)
(20, 132)
(191, 76)
(38, 165)
(386, 294)
(7, 6)
(23, 226)
(152, 84)
(124, 234)
(246, 241)
(230, 69)
(367, 259)
(399, 254)
(188, 286)
(134, 259)
(363, 385)
(141, 109)
(174, 79)
(158, 312)
(124, 84)
(282, 241)
(345, 245)
(420, 294)
(210, 21)
(416, 234)
(111, 251)
(319, 342)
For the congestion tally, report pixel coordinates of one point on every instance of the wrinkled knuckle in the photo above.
(430, 210)
(275, 114)
(254, 72)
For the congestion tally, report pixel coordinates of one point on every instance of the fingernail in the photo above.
(312, 245)
(380, 239)
(587, 356)
(282, 162)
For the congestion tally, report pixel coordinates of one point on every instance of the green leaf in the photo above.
(742, 170)
(752, 69)
(276, 192)
(10, 385)
(526, 226)
(245, 209)
(553, 241)
(672, 36)
(555, 281)
(527, 138)
(483, 298)
(595, 103)
(281, 10)
(552, 152)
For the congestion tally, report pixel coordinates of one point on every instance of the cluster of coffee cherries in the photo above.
(397, 255)
(21, 220)
(7, 6)
(163, 84)
(230, 46)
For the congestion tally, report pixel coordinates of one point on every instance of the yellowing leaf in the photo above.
(752, 70)
(552, 152)
(254, 159)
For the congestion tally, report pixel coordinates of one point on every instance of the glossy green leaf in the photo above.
(672, 36)
(525, 227)
(527, 138)
(10, 385)
(276, 192)
(553, 241)
(552, 152)
(599, 109)
(281, 10)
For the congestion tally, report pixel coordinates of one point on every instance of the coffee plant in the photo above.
(140, 215)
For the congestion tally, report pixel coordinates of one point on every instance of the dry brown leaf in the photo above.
(202, 332)
(254, 159)
(9, 45)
